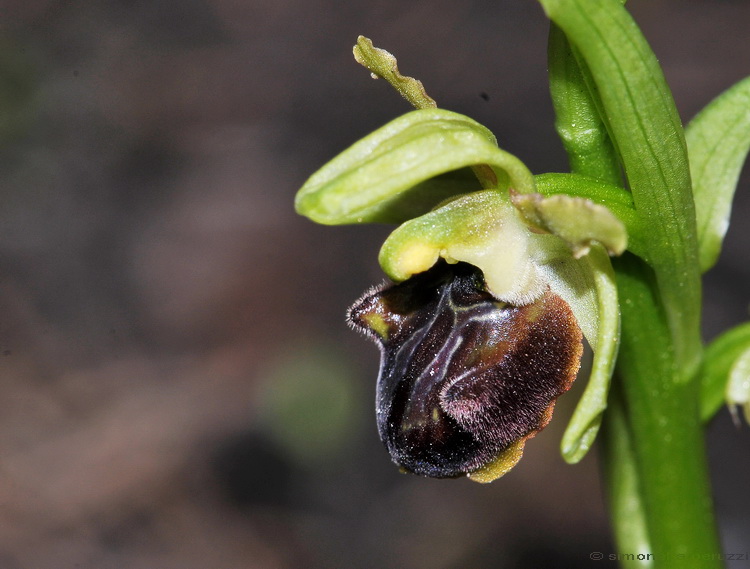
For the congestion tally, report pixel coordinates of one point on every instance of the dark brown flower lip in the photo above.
(463, 377)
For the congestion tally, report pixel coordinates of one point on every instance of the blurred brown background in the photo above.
(178, 387)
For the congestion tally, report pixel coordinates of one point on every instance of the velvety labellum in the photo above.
(464, 377)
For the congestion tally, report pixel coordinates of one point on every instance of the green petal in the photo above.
(616, 199)
(482, 229)
(718, 141)
(577, 221)
(363, 183)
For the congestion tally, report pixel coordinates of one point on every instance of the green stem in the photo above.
(642, 121)
(623, 483)
(578, 123)
(654, 457)
(662, 414)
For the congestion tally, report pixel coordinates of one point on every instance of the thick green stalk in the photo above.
(623, 483)
(653, 443)
(578, 123)
(642, 121)
(667, 436)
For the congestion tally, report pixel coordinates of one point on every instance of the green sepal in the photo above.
(719, 360)
(365, 182)
(425, 196)
(718, 140)
(588, 286)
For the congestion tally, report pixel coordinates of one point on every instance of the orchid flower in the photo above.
(497, 276)
(495, 286)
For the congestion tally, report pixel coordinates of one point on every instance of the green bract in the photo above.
(718, 140)
(637, 109)
(724, 373)
(619, 125)
(738, 387)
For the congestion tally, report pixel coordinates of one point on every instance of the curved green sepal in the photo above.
(718, 140)
(481, 228)
(719, 362)
(576, 220)
(425, 196)
(382, 63)
(588, 286)
(363, 183)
